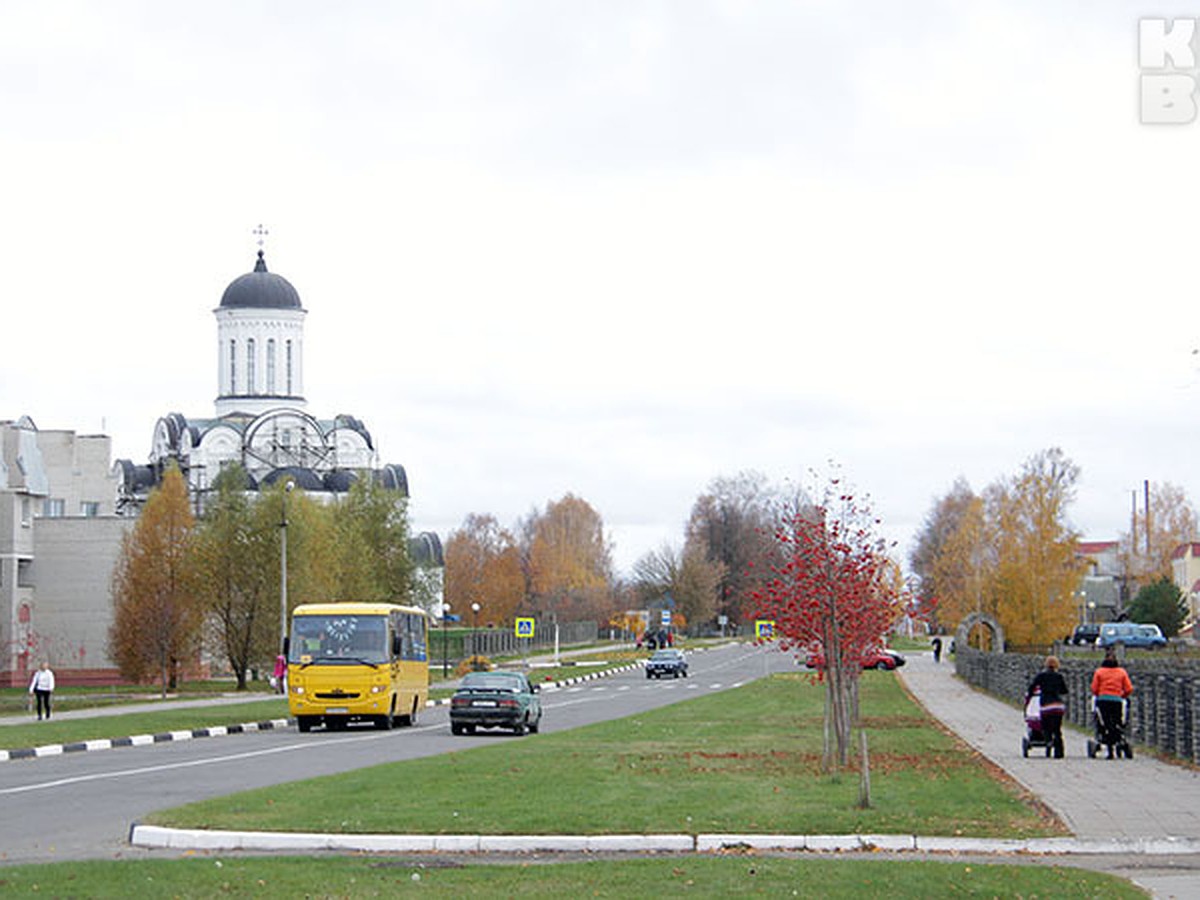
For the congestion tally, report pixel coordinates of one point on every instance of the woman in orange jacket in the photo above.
(1111, 686)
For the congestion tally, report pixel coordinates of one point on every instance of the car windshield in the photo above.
(339, 639)
(666, 655)
(489, 681)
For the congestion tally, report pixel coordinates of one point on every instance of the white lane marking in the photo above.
(212, 760)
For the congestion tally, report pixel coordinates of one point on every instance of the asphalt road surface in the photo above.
(81, 806)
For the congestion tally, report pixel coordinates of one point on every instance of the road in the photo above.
(80, 806)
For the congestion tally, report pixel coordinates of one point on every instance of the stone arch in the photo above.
(978, 618)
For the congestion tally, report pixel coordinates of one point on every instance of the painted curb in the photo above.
(157, 837)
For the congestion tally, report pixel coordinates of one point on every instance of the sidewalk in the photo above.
(1096, 798)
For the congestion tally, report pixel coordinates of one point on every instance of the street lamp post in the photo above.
(445, 642)
(475, 630)
(283, 600)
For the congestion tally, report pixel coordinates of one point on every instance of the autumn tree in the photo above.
(1037, 567)
(371, 533)
(483, 565)
(962, 569)
(828, 590)
(569, 561)
(237, 560)
(687, 576)
(1160, 603)
(939, 527)
(1171, 522)
(157, 613)
(732, 520)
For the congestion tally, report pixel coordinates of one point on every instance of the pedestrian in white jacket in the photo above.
(42, 687)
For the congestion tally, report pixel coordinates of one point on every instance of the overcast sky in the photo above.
(618, 249)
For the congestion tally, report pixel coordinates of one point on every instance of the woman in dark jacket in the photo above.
(1052, 687)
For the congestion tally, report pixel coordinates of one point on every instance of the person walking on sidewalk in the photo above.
(937, 649)
(42, 686)
(1111, 687)
(1052, 688)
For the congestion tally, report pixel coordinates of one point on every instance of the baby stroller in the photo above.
(1113, 738)
(1035, 735)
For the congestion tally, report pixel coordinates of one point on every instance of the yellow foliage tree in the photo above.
(157, 609)
(569, 559)
(1037, 566)
(483, 565)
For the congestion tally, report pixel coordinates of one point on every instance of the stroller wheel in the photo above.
(1128, 751)
(1091, 748)
(1025, 746)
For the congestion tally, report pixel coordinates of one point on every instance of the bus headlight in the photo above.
(297, 689)
(378, 688)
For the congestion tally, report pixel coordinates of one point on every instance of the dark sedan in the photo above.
(495, 700)
(667, 662)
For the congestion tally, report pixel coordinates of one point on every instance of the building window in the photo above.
(89, 508)
(54, 507)
(250, 386)
(233, 367)
(289, 368)
(271, 365)
(24, 573)
(26, 514)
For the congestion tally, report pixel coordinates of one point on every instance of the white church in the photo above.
(260, 418)
(64, 508)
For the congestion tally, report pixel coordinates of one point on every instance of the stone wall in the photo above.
(1163, 710)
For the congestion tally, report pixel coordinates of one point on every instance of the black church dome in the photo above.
(260, 289)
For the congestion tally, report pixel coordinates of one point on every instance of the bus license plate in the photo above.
(337, 710)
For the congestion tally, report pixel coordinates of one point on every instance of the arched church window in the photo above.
(250, 366)
(270, 365)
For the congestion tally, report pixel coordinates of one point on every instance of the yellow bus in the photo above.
(357, 662)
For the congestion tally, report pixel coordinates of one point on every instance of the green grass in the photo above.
(745, 760)
(708, 876)
(65, 731)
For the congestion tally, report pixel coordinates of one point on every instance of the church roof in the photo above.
(260, 289)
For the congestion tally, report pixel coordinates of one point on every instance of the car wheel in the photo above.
(536, 725)
(455, 728)
(648, 676)
(880, 665)
(520, 728)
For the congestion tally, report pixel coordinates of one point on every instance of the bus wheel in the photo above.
(385, 723)
(304, 723)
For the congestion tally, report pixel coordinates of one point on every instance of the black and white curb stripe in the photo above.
(140, 740)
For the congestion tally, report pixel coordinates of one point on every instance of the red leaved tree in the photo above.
(829, 593)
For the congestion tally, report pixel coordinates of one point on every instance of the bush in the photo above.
(475, 663)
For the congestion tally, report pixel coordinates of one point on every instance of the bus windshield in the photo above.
(339, 639)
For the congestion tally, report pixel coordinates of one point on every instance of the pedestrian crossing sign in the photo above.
(524, 628)
(764, 629)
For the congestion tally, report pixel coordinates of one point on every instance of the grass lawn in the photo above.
(716, 876)
(745, 760)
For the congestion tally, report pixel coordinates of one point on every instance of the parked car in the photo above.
(495, 700)
(1084, 635)
(667, 662)
(1130, 634)
(878, 658)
